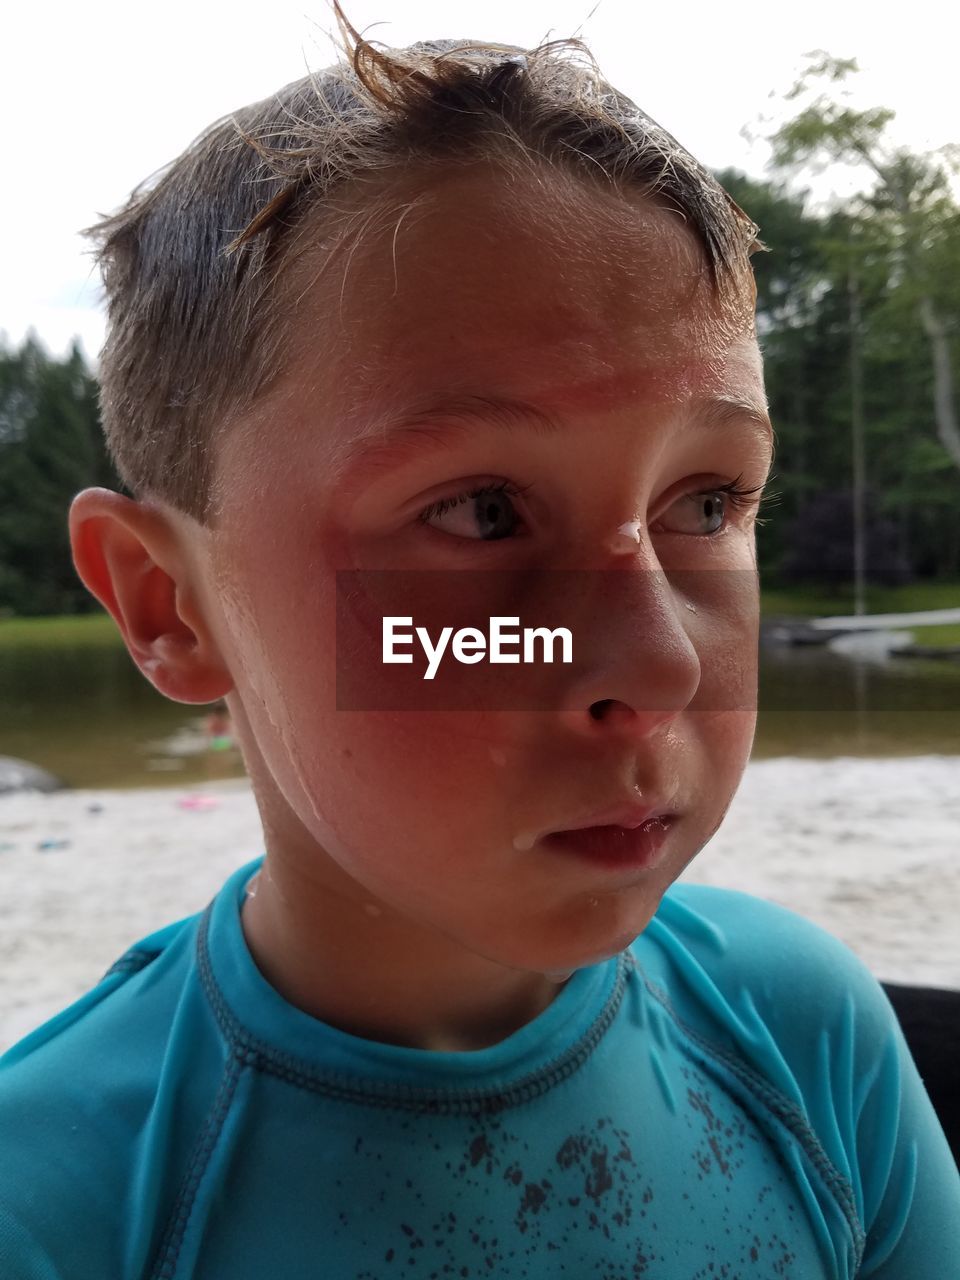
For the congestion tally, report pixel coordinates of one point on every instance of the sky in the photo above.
(97, 96)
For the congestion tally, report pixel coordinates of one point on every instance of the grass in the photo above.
(67, 630)
(913, 599)
(802, 603)
(937, 637)
(810, 602)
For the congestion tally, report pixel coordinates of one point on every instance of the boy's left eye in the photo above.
(489, 509)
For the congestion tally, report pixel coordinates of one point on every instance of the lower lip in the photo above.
(615, 847)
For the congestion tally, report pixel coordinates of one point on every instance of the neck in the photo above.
(357, 966)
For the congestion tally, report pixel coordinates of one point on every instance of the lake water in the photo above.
(86, 714)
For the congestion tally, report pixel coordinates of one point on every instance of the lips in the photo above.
(617, 847)
(627, 815)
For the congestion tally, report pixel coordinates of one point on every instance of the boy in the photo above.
(456, 308)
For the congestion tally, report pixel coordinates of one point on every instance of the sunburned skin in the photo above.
(596, 308)
(605, 353)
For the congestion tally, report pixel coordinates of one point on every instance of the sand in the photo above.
(869, 849)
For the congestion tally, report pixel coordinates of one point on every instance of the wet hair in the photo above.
(196, 265)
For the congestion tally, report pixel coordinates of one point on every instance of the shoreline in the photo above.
(867, 848)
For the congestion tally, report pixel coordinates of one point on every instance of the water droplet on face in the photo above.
(524, 841)
(627, 536)
(498, 756)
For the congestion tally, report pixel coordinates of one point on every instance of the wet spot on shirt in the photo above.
(582, 1203)
(728, 1142)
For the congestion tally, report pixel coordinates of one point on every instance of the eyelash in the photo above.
(447, 504)
(741, 497)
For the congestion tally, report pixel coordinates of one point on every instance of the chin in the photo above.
(565, 958)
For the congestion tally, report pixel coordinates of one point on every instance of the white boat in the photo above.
(870, 646)
(872, 621)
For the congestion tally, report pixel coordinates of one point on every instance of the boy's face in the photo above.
(596, 309)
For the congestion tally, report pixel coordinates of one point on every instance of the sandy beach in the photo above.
(866, 848)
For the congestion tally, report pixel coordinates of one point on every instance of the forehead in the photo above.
(538, 264)
(536, 286)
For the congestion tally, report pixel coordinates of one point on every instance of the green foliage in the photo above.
(825, 125)
(896, 246)
(51, 446)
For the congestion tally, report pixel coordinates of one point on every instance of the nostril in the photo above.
(599, 709)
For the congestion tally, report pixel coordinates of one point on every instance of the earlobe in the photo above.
(128, 557)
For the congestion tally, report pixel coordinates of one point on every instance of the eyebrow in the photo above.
(388, 442)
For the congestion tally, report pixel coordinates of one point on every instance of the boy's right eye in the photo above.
(487, 508)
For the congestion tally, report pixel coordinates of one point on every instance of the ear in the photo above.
(132, 558)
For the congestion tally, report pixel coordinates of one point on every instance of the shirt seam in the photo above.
(131, 962)
(776, 1104)
(168, 1251)
(250, 1050)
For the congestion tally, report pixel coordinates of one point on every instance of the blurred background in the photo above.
(837, 133)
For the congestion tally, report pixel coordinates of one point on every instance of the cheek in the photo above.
(722, 620)
(279, 630)
(300, 658)
(418, 768)
(727, 738)
(404, 802)
(732, 732)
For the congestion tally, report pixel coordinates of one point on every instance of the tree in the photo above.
(856, 321)
(791, 275)
(821, 547)
(51, 446)
(912, 198)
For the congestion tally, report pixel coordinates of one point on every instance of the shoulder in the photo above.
(738, 921)
(749, 944)
(76, 1096)
(159, 954)
(772, 990)
(791, 1018)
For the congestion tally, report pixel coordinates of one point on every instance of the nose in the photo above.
(638, 668)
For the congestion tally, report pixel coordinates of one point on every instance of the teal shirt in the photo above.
(731, 1096)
